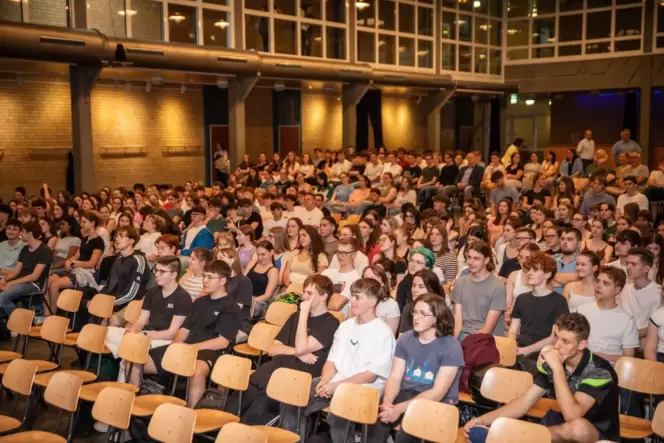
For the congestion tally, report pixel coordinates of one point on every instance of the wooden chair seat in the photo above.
(42, 366)
(278, 435)
(71, 338)
(461, 436)
(634, 427)
(33, 436)
(145, 405)
(8, 423)
(85, 376)
(91, 391)
(208, 420)
(7, 356)
(465, 397)
(245, 349)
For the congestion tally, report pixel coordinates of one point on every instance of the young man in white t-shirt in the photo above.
(613, 332)
(344, 276)
(277, 220)
(631, 195)
(361, 354)
(642, 297)
(309, 213)
(625, 241)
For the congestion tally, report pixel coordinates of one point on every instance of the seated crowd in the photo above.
(421, 253)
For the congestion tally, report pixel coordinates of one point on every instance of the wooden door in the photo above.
(218, 137)
(289, 139)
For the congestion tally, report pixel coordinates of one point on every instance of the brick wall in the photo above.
(258, 110)
(47, 12)
(156, 119)
(103, 15)
(36, 114)
(322, 122)
(404, 124)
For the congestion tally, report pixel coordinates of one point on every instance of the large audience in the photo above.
(422, 253)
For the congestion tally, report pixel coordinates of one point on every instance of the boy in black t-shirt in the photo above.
(584, 384)
(211, 325)
(302, 344)
(31, 269)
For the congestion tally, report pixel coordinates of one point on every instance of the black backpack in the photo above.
(213, 398)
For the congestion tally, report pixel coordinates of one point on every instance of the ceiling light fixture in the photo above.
(512, 31)
(530, 102)
(223, 24)
(183, 88)
(128, 12)
(477, 4)
(361, 5)
(177, 18)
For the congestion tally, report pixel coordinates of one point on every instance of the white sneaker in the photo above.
(100, 427)
(38, 321)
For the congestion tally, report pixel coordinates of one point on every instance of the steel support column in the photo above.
(81, 81)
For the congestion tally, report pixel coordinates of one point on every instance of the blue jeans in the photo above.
(8, 296)
(424, 194)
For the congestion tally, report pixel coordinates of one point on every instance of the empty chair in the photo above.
(259, 341)
(288, 387)
(68, 303)
(172, 424)
(278, 313)
(179, 360)
(431, 421)
(504, 385)
(357, 404)
(18, 379)
(238, 433)
(658, 420)
(230, 372)
(133, 311)
(507, 350)
(113, 408)
(19, 323)
(510, 430)
(100, 308)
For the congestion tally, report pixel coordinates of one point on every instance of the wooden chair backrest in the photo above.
(172, 424)
(101, 306)
(134, 348)
(431, 421)
(290, 387)
(69, 300)
(19, 376)
(262, 335)
(63, 390)
(644, 376)
(92, 338)
(180, 359)
(239, 433)
(232, 372)
(339, 315)
(507, 350)
(336, 302)
(133, 311)
(504, 385)
(658, 420)
(54, 329)
(20, 321)
(113, 407)
(278, 313)
(356, 403)
(510, 430)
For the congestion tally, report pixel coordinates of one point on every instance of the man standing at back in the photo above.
(586, 149)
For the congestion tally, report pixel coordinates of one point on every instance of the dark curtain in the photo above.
(631, 115)
(215, 112)
(369, 109)
(494, 141)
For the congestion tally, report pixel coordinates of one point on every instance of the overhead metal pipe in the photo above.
(479, 92)
(287, 67)
(383, 77)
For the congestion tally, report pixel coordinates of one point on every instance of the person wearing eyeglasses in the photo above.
(522, 237)
(552, 240)
(211, 324)
(345, 275)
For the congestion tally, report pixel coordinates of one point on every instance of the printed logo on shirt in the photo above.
(216, 313)
(354, 342)
(170, 306)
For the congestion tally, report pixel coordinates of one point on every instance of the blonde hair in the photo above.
(236, 266)
(227, 236)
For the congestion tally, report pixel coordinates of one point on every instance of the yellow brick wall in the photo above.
(258, 119)
(322, 122)
(404, 124)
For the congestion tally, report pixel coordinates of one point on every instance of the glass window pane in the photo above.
(285, 41)
(366, 13)
(465, 28)
(570, 5)
(181, 24)
(43, 12)
(598, 47)
(543, 7)
(450, 4)
(424, 21)
(11, 11)
(629, 2)
(465, 58)
(660, 42)
(481, 6)
(216, 28)
(257, 33)
(481, 30)
(569, 27)
(627, 45)
(569, 50)
(366, 47)
(406, 51)
(660, 17)
(425, 54)
(387, 47)
(517, 33)
(466, 5)
(106, 16)
(214, 2)
(517, 8)
(335, 11)
(448, 55)
(387, 15)
(544, 31)
(496, 8)
(599, 3)
(311, 40)
(284, 7)
(406, 18)
(146, 20)
(449, 25)
(496, 33)
(336, 43)
(628, 22)
(481, 61)
(258, 5)
(598, 25)
(517, 54)
(495, 62)
(311, 9)
(543, 52)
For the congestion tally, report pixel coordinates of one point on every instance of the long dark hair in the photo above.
(430, 280)
(373, 237)
(444, 318)
(317, 246)
(484, 249)
(569, 189)
(499, 220)
(659, 240)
